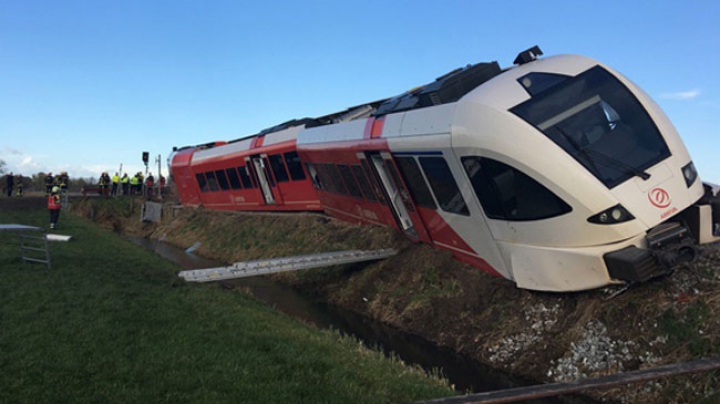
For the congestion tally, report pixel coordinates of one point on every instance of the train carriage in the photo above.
(258, 173)
(559, 174)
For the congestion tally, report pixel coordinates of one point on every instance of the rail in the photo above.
(556, 389)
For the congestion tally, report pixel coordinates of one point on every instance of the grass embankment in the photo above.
(112, 323)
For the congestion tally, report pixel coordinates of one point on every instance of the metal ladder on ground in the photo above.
(34, 244)
(270, 266)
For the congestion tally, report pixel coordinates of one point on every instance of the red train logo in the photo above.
(659, 198)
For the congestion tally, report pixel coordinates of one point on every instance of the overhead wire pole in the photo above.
(159, 175)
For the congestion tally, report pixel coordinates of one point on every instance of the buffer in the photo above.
(270, 266)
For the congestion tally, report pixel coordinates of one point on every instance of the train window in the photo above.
(373, 181)
(212, 182)
(396, 179)
(350, 181)
(443, 185)
(508, 194)
(314, 176)
(251, 172)
(364, 184)
(244, 177)
(322, 170)
(233, 177)
(202, 183)
(278, 168)
(415, 182)
(335, 180)
(268, 172)
(222, 180)
(293, 164)
(600, 123)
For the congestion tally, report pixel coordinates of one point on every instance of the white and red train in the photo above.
(559, 173)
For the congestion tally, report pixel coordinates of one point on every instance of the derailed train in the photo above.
(558, 173)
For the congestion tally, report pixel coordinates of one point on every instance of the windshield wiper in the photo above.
(602, 158)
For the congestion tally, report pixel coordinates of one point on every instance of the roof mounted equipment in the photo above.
(528, 55)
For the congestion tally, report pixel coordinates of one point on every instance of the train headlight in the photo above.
(690, 174)
(616, 214)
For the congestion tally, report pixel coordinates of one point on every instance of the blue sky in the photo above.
(88, 85)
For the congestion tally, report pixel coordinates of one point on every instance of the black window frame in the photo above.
(222, 180)
(363, 182)
(212, 181)
(445, 188)
(202, 182)
(294, 166)
(277, 165)
(245, 177)
(233, 177)
(349, 180)
(416, 183)
(497, 200)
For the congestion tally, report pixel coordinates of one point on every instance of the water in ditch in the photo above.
(466, 374)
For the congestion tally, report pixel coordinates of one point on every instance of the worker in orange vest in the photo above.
(54, 206)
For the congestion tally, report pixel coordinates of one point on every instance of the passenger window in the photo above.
(212, 182)
(314, 176)
(443, 185)
(350, 181)
(508, 194)
(364, 184)
(293, 164)
(335, 180)
(267, 171)
(373, 181)
(322, 170)
(278, 168)
(222, 180)
(244, 177)
(233, 177)
(200, 177)
(415, 182)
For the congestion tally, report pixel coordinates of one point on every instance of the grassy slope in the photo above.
(112, 323)
(421, 290)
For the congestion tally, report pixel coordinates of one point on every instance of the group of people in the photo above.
(62, 181)
(14, 182)
(110, 186)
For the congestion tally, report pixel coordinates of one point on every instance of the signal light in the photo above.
(146, 157)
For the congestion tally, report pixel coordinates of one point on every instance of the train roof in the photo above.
(445, 89)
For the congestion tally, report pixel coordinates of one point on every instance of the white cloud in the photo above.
(681, 95)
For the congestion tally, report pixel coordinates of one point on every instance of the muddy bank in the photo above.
(542, 336)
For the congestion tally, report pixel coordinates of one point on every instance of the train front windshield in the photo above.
(595, 119)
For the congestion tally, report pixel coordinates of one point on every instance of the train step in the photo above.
(270, 266)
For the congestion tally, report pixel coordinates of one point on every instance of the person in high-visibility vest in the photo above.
(134, 184)
(125, 180)
(54, 206)
(19, 185)
(115, 183)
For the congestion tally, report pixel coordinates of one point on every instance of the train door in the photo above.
(403, 209)
(261, 175)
